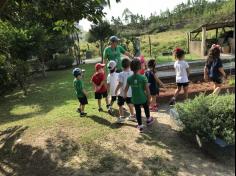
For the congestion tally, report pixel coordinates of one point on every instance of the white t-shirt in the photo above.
(113, 80)
(181, 71)
(123, 76)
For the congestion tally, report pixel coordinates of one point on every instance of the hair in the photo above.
(126, 63)
(214, 53)
(179, 53)
(152, 64)
(135, 65)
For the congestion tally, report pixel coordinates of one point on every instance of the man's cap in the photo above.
(99, 66)
(111, 65)
(114, 39)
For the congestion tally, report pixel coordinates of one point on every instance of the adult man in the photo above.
(114, 51)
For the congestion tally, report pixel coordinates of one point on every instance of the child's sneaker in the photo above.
(120, 120)
(79, 110)
(150, 121)
(131, 118)
(110, 110)
(82, 114)
(172, 102)
(141, 128)
(100, 110)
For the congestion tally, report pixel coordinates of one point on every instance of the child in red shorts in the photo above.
(100, 87)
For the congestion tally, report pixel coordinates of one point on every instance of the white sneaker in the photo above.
(120, 120)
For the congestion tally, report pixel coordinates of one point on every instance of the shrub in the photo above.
(209, 117)
(60, 61)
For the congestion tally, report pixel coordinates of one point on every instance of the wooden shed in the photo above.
(201, 46)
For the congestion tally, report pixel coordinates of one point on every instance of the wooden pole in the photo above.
(203, 47)
(188, 42)
(217, 31)
(150, 46)
(233, 44)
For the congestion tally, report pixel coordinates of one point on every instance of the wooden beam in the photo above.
(203, 46)
(196, 35)
(233, 45)
(188, 42)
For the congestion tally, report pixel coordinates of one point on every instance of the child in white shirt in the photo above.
(182, 74)
(123, 76)
(112, 83)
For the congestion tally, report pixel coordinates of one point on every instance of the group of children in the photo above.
(137, 85)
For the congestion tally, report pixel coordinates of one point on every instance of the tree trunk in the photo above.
(78, 49)
(102, 47)
(44, 74)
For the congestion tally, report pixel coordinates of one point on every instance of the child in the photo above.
(123, 76)
(182, 74)
(99, 83)
(80, 92)
(140, 93)
(154, 83)
(143, 65)
(214, 68)
(112, 83)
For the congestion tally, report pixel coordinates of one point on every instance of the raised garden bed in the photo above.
(194, 90)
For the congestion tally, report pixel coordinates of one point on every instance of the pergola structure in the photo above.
(200, 47)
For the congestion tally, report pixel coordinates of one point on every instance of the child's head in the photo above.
(152, 64)
(99, 68)
(112, 66)
(126, 63)
(179, 54)
(135, 65)
(214, 52)
(77, 72)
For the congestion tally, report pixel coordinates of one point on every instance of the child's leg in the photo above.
(138, 114)
(131, 109)
(121, 111)
(154, 100)
(177, 91)
(217, 88)
(146, 110)
(186, 92)
(121, 104)
(82, 107)
(99, 103)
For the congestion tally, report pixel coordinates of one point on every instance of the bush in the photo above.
(209, 117)
(60, 61)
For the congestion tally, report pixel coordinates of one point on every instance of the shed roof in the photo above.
(211, 26)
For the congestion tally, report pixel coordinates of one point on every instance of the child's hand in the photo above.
(206, 78)
(97, 88)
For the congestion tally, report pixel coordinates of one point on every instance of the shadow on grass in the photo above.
(19, 159)
(105, 122)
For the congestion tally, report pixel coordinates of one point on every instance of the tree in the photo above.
(100, 32)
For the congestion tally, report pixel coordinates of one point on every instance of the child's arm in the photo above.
(206, 77)
(126, 90)
(159, 81)
(118, 87)
(84, 92)
(188, 71)
(221, 70)
(148, 92)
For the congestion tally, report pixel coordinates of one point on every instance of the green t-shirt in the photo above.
(79, 86)
(115, 55)
(137, 83)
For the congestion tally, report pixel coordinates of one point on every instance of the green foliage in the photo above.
(209, 117)
(60, 61)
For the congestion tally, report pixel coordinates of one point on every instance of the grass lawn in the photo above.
(42, 135)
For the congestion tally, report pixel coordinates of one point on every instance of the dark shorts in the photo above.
(217, 80)
(99, 96)
(83, 100)
(122, 101)
(113, 98)
(183, 84)
(154, 92)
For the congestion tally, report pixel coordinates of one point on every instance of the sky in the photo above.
(144, 7)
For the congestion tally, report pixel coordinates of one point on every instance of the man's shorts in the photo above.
(122, 101)
(99, 96)
(83, 100)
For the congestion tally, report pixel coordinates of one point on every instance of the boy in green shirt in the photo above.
(80, 92)
(140, 93)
